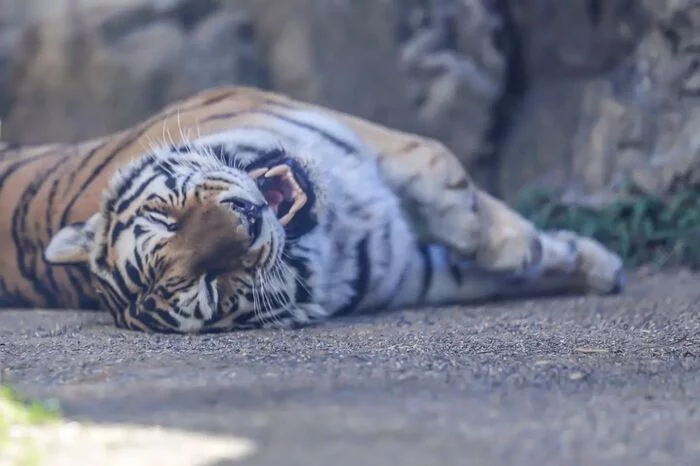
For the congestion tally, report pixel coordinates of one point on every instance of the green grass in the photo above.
(17, 415)
(643, 229)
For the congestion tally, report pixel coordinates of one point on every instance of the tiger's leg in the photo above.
(435, 278)
(440, 196)
(478, 226)
(451, 210)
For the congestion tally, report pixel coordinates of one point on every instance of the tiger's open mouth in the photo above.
(281, 190)
(288, 192)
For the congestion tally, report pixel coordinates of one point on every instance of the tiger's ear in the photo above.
(73, 243)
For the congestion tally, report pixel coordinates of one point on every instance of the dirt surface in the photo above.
(543, 382)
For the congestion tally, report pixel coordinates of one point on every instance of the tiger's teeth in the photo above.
(255, 174)
(278, 170)
(286, 172)
(299, 196)
(299, 202)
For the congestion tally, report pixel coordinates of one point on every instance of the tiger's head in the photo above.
(185, 242)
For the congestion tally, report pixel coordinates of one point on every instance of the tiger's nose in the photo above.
(252, 213)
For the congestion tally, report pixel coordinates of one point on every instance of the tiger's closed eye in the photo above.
(158, 216)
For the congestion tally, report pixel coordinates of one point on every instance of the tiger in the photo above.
(239, 208)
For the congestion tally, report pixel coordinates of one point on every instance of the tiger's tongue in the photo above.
(274, 198)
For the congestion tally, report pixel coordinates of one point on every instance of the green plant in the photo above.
(643, 229)
(17, 414)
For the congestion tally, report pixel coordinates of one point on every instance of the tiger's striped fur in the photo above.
(154, 222)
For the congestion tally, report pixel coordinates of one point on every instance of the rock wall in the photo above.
(611, 99)
(585, 95)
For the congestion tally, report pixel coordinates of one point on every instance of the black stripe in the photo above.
(362, 280)
(244, 319)
(428, 271)
(219, 98)
(122, 288)
(139, 262)
(157, 197)
(344, 145)
(181, 148)
(112, 299)
(123, 205)
(127, 181)
(48, 214)
(302, 275)
(260, 151)
(198, 312)
(79, 277)
(183, 189)
(81, 163)
(383, 238)
(217, 179)
(78, 284)
(209, 286)
(159, 321)
(139, 231)
(116, 231)
(134, 274)
(456, 273)
(13, 167)
(29, 250)
(171, 290)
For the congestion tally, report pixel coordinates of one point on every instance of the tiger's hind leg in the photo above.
(450, 209)
(477, 226)
(442, 200)
(435, 278)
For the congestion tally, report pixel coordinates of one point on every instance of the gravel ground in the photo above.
(560, 381)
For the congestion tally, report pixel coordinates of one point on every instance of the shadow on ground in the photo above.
(558, 381)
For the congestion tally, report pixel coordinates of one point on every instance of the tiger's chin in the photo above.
(288, 191)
